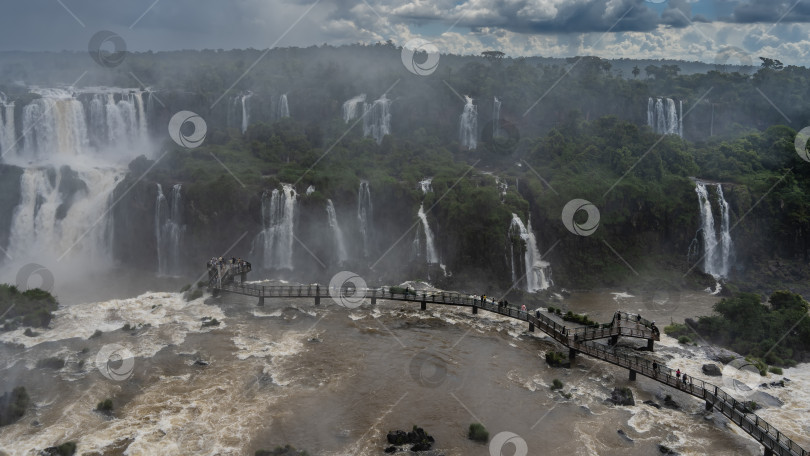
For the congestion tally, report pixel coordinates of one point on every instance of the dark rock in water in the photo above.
(712, 370)
(652, 404)
(622, 396)
(314, 340)
(624, 435)
(665, 450)
(417, 438)
(397, 437)
(65, 449)
(287, 450)
(391, 449)
(200, 362)
(669, 402)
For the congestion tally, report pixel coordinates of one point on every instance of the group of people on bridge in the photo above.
(218, 268)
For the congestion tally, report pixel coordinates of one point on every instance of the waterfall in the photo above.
(74, 146)
(340, 246)
(246, 111)
(537, 271)
(377, 119)
(350, 107)
(717, 248)
(54, 127)
(430, 248)
(168, 231)
(364, 215)
(62, 214)
(425, 185)
(468, 129)
(275, 242)
(283, 107)
(664, 117)
(8, 134)
(496, 117)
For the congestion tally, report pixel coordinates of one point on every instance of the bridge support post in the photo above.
(632, 375)
(768, 452)
(374, 297)
(243, 277)
(424, 305)
(709, 405)
(572, 354)
(531, 327)
(317, 295)
(475, 310)
(215, 292)
(650, 344)
(614, 340)
(261, 300)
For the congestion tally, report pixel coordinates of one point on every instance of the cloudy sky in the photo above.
(672, 29)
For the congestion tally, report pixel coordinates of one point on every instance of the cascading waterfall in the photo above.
(425, 185)
(74, 147)
(350, 110)
(430, 247)
(537, 271)
(275, 242)
(496, 117)
(717, 248)
(663, 116)
(364, 216)
(377, 118)
(246, 111)
(169, 230)
(8, 134)
(468, 129)
(340, 245)
(50, 222)
(283, 107)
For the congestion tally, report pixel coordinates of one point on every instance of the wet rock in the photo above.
(622, 396)
(624, 435)
(669, 402)
(287, 450)
(665, 450)
(417, 438)
(397, 437)
(652, 404)
(712, 370)
(200, 362)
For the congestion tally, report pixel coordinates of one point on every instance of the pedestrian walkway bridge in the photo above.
(578, 339)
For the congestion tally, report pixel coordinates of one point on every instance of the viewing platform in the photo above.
(577, 339)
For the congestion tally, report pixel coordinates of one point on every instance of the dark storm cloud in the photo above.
(753, 11)
(677, 14)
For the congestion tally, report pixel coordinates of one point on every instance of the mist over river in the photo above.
(333, 381)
